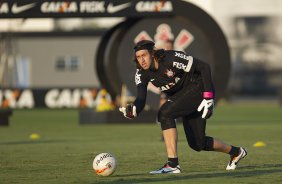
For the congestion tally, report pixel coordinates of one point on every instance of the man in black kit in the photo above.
(188, 84)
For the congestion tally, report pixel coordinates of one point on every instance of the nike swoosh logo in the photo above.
(113, 9)
(18, 9)
(163, 171)
(152, 79)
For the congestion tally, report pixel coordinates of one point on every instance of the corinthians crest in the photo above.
(169, 73)
(164, 33)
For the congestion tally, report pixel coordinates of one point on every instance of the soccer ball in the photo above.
(104, 164)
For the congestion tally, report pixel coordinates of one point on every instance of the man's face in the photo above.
(144, 58)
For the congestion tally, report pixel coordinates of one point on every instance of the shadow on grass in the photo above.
(243, 172)
(32, 142)
(279, 165)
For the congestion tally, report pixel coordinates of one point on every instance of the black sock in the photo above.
(235, 151)
(172, 162)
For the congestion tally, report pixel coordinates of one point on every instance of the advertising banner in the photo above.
(97, 99)
(84, 8)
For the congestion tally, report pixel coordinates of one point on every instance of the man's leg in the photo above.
(175, 107)
(169, 131)
(170, 139)
(221, 146)
(172, 165)
(195, 130)
(236, 153)
(163, 99)
(194, 127)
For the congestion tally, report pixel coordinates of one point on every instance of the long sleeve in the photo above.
(205, 71)
(140, 98)
(190, 64)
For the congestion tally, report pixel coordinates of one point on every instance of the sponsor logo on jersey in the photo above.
(181, 65)
(183, 56)
(170, 85)
(169, 73)
(137, 78)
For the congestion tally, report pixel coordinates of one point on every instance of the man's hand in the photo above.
(207, 105)
(129, 111)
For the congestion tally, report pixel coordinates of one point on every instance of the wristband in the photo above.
(208, 94)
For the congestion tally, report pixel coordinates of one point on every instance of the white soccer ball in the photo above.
(104, 164)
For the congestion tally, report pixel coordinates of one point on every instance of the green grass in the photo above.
(65, 151)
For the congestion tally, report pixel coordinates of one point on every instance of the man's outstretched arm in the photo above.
(132, 110)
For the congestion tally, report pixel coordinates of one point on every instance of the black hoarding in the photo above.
(96, 99)
(84, 8)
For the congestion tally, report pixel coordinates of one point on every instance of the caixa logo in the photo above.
(59, 7)
(14, 98)
(74, 98)
(56, 98)
(154, 6)
(69, 98)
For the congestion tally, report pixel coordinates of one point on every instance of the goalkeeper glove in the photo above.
(207, 105)
(129, 111)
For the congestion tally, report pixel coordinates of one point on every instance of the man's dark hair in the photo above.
(144, 45)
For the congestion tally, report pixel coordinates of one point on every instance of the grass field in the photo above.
(65, 151)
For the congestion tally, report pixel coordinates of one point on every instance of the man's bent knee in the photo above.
(206, 145)
(196, 147)
(167, 124)
(166, 121)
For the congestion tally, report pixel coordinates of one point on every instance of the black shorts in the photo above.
(182, 104)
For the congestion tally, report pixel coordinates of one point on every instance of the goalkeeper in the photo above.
(188, 84)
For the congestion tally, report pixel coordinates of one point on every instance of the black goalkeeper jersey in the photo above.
(175, 70)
